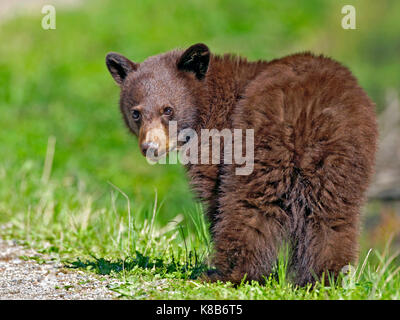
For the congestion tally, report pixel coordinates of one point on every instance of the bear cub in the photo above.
(315, 136)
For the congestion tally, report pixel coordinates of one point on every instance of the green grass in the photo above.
(152, 262)
(72, 181)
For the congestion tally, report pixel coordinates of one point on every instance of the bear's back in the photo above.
(315, 133)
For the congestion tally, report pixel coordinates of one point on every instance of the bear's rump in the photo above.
(314, 140)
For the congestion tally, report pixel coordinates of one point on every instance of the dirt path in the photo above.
(22, 278)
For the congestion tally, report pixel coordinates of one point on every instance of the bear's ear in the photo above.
(195, 59)
(119, 66)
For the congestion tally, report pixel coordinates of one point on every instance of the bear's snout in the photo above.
(149, 147)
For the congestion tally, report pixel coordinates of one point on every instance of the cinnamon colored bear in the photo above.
(315, 139)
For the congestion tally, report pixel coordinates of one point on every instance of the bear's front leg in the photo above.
(246, 244)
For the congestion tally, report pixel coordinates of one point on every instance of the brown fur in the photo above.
(315, 140)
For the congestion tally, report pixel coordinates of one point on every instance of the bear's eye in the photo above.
(168, 111)
(135, 115)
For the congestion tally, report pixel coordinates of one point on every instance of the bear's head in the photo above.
(162, 89)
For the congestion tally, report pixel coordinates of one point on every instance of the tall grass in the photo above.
(151, 260)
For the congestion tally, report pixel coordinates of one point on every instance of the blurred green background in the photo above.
(54, 83)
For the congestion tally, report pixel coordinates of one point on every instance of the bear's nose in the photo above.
(149, 148)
